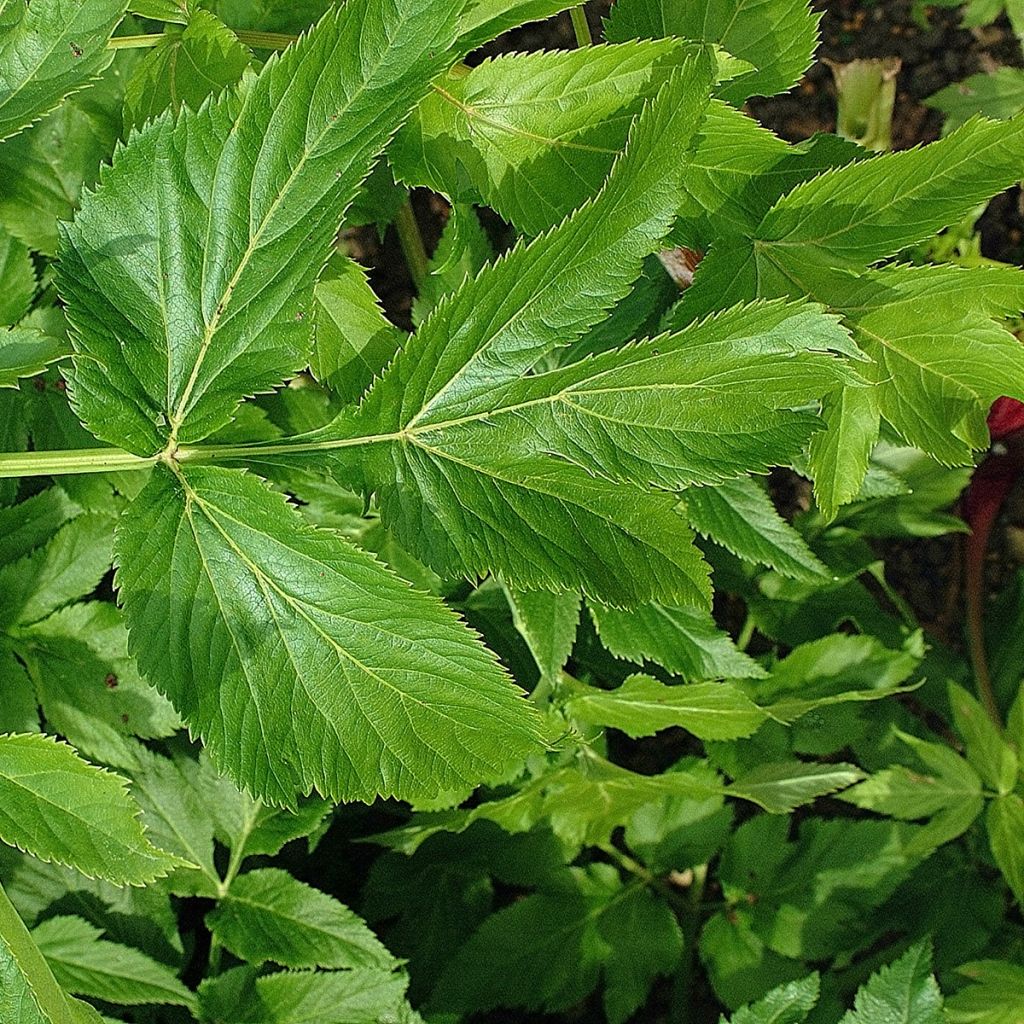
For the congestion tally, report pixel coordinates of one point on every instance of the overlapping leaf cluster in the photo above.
(342, 551)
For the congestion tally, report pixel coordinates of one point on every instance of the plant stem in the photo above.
(17, 943)
(134, 42)
(257, 40)
(746, 632)
(580, 26)
(412, 244)
(77, 460)
(975, 622)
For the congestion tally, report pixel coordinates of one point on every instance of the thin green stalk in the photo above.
(76, 460)
(580, 26)
(746, 632)
(134, 42)
(257, 40)
(16, 941)
(412, 244)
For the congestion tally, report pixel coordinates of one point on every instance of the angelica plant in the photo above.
(351, 563)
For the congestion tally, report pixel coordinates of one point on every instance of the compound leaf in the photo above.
(578, 930)
(542, 523)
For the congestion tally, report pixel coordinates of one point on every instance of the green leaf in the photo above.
(314, 665)
(161, 10)
(59, 808)
(44, 168)
(249, 827)
(903, 992)
(33, 522)
(581, 803)
(180, 325)
(939, 358)
(176, 810)
(987, 750)
(269, 915)
(31, 993)
(352, 341)
(48, 50)
(787, 1004)
(532, 135)
(574, 933)
(17, 284)
(838, 455)
(778, 37)
(184, 68)
(86, 965)
(813, 897)
(907, 494)
(855, 215)
(834, 670)
(948, 782)
(66, 568)
(997, 997)
(674, 410)
(464, 507)
(25, 352)
(780, 788)
(734, 155)
(646, 943)
(548, 623)
(300, 997)
(685, 641)
(19, 711)
(613, 414)
(89, 689)
(1005, 822)
(740, 516)
(999, 95)
(642, 706)
(486, 19)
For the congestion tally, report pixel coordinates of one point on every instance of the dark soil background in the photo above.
(934, 52)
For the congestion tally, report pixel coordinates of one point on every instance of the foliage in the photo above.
(357, 665)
